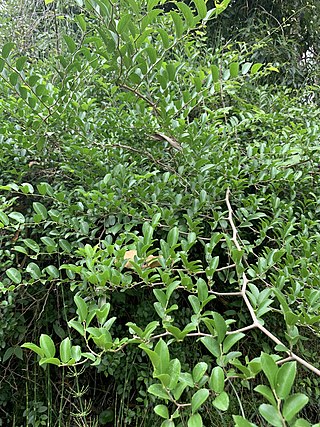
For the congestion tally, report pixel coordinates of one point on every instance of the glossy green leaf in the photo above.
(40, 209)
(65, 350)
(30, 346)
(14, 275)
(34, 270)
(47, 345)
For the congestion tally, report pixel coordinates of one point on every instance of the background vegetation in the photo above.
(184, 131)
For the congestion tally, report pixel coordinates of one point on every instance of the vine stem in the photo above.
(255, 320)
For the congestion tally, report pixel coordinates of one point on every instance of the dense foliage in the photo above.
(159, 227)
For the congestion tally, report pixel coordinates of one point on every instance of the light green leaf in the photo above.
(267, 393)
(198, 399)
(49, 360)
(234, 69)
(14, 275)
(82, 308)
(178, 23)
(201, 8)
(220, 326)
(34, 347)
(242, 422)
(269, 368)
(4, 218)
(212, 345)
(293, 404)
(65, 350)
(221, 402)
(230, 341)
(216, 381)
(271, 415)
(255, 68)
(285, 379)
(159, 391)
(162, 411)
(195, 421)
(199, 371)
(47, 345)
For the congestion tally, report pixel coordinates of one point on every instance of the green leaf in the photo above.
(220, 326)
(49, 360)
(31, 244)
(198, 399)
(52, 271)
(195, 421)
(271, 415)
(267, 393)
(4, 218)
(17, 216)
(199, 371)
(270, 368)
(162, 411)
(230, 341)
(246, 67)
(40, 209)
(216, 381)
(47, 345)
(14, 275)
(7, 48)
(82, 308)
(187, 13)
(242, 422)
(48, 1)
(20, 62)
(234, 69)
(201, 8)
(202, 290)
(34, 347)
(174, 371)
(221, 402)
(65, 350)
(34, 270)
(159, 391)
(72, 47)
(255, 68)
(293, 404)
(212, 345)
(178, 23)
(285, 379)
(162, 350)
